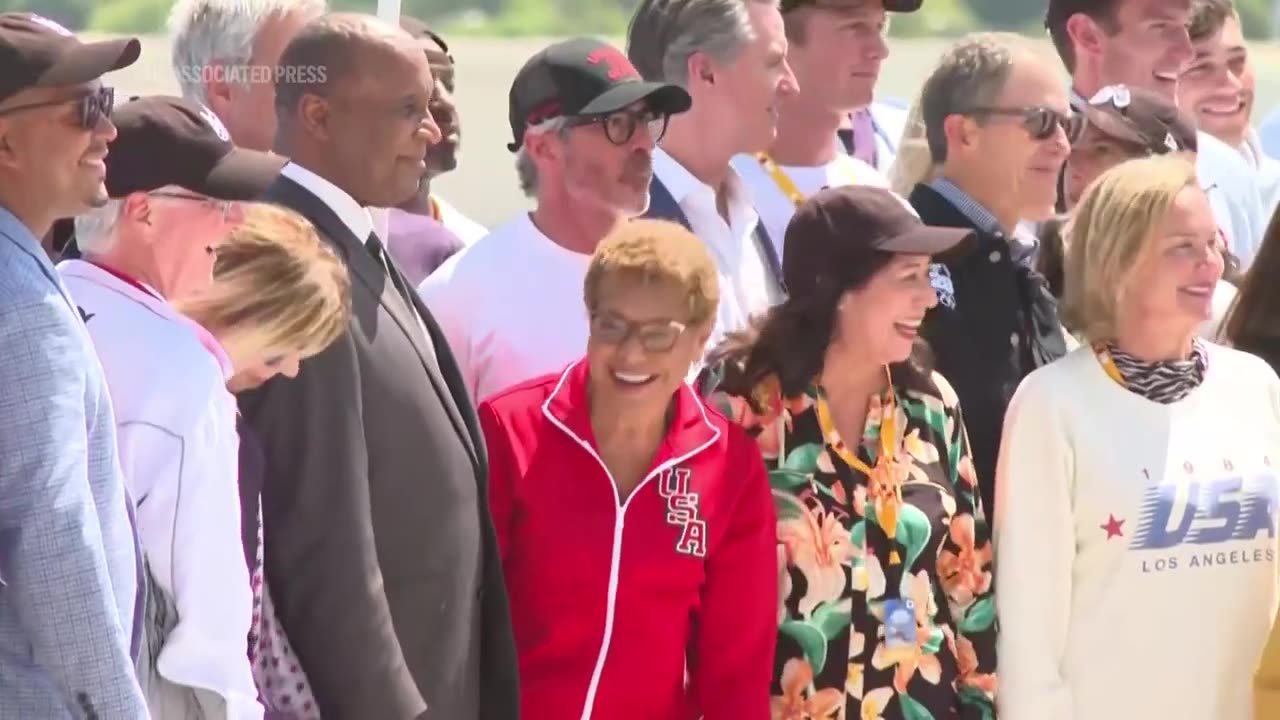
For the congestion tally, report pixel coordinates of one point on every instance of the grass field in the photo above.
(484, 185)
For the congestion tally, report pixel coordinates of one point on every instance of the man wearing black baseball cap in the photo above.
(175, 182)
(70, 590)
(584, 125)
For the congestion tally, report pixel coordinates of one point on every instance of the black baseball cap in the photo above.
(583, 76)
(1140, 117)
(898, 6)
(166, 140)
(38, 52)
(838, 227)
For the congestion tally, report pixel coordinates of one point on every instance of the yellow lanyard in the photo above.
(1108, 364)
(783, 181)
(885, 491)
(435, 208)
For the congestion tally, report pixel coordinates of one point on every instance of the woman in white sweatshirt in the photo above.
(1135, 535)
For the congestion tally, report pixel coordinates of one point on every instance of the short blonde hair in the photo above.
(1110, 231)
(277, 284)
(656, 251)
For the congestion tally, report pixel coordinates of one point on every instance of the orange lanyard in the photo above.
(885, 491)
(783, 181)
(435, 208)
(1108, 364)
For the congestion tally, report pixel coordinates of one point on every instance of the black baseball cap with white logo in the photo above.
(166, 141)
(583, 77)
(38, 52)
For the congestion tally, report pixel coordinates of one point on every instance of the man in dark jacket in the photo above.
(379, 549)
(997, 123)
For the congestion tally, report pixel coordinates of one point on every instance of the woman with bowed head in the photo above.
(1136, 533)
(634, 523)
(279, 296)
(886, 602)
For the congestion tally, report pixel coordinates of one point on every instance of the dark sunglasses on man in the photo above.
(90, 107)
(1039, 122)
(620, 127)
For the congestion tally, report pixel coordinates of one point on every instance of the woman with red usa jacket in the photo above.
(635, 523)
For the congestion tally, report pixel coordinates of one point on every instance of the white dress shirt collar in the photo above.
(357, 219)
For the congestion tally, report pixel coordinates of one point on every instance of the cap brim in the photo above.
(903, 6)
(241, 175)
(1113, 126)
(663, 98)
(90, 61)
(930, 240)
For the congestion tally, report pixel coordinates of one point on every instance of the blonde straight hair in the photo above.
(277, 287)
(1110, 231)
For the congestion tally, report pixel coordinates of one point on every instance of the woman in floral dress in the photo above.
(886, 606)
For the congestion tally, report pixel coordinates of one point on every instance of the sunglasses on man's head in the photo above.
(1039, 122)
(90, 107)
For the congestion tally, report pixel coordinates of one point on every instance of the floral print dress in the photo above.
(840, 571)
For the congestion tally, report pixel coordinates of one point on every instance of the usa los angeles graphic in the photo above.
(1204, 523)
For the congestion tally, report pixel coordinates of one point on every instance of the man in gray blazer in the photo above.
(69, 563)
(379, 549)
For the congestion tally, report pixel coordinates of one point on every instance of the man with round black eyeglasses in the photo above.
(70, 590)
(584, 127)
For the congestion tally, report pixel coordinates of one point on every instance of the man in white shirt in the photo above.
(835, 49)
(730, 55)
(1217, 89)
(584, 125)
(172, 174)
(1140, 43)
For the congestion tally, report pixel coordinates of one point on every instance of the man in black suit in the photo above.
(379, 549)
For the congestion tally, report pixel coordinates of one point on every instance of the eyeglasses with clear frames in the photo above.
(223, 206)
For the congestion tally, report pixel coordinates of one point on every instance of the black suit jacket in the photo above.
(378, 542)
(997, 324)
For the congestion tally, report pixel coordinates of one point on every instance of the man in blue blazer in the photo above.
(69, 563)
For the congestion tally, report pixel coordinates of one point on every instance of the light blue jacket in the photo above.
(69, 560)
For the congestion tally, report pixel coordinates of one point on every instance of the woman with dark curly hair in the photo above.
(886, 601)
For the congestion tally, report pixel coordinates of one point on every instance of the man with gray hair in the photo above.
(998, 125)
(226, 55)
(583, 129)
(731, 57)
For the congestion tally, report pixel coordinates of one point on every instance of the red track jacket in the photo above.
(661, 606)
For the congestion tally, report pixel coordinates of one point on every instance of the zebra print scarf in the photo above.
(1165, 382)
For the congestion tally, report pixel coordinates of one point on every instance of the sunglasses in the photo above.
(1040, 122)
(655, 336)
(621, 126)
(91, 107)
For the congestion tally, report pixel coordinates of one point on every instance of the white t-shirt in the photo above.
(511, 307)
(1136, 544)
(773, 205)
(179, 451)
(1235, 193)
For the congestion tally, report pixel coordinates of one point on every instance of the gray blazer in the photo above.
(378, 543)
(70, 596)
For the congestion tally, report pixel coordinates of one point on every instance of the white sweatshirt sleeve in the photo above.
(1035, 542)
(198, 457)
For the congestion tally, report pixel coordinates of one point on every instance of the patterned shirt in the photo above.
(887, 607)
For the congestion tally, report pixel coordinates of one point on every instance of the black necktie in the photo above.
(379, 253)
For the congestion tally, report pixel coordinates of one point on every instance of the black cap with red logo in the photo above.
(583, 77)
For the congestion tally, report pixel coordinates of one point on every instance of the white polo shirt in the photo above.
(776, 207)
(511, 307)
(179, 451)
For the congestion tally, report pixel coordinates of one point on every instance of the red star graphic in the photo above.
(1113, 527)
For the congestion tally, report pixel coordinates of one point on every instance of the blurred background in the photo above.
(490, 39)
